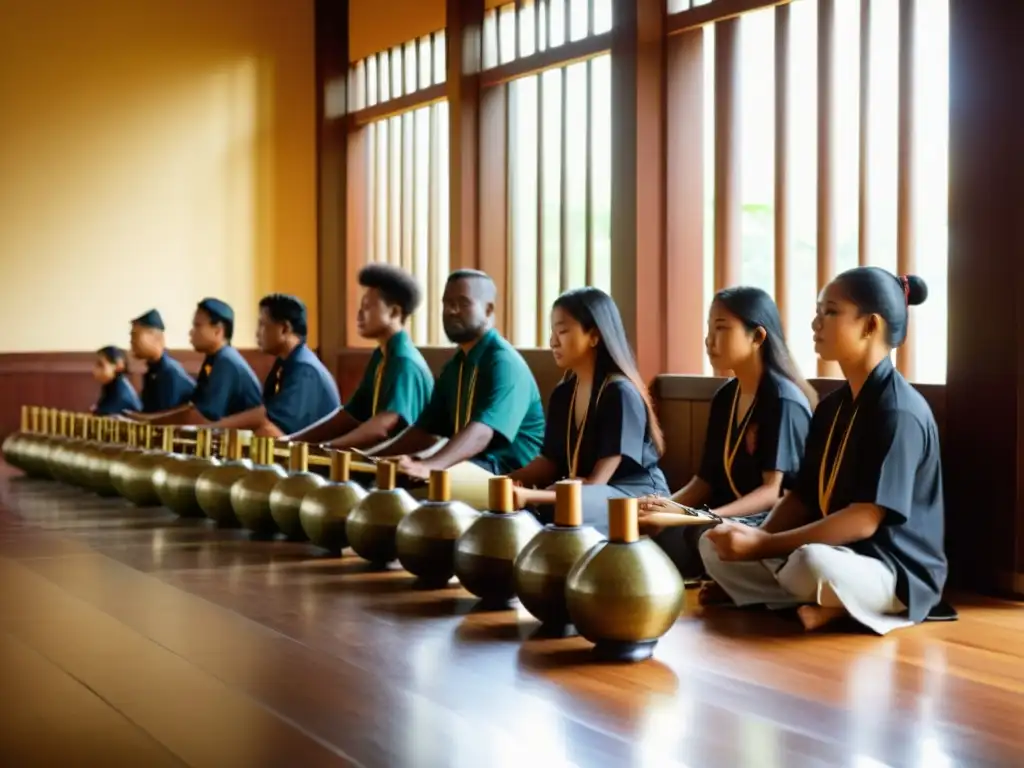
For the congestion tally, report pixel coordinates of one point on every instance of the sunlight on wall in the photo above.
(153, 154)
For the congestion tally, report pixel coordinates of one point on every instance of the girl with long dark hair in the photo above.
(601, 427)
(861, 531)
(117, 395)
(756, 429)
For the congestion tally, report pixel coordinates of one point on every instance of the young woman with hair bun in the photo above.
(861, 532)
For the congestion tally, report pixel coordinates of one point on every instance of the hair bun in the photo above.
(917, 290)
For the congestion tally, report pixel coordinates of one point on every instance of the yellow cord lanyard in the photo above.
(825, 489)
(729, 451)
(378, 379)
(573, 457)
(277, 384)
(469, 399)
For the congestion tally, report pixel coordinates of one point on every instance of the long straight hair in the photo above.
(594, 309)
(756, 309)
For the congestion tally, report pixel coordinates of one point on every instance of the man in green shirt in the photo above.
(397, 383)
(485, 403)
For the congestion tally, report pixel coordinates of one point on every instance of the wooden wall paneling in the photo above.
(464, 56)
(638, 177)
(677, 461)
(331, 67)
(985, 386)
(64, 380)
(700, 414)
(684, 247)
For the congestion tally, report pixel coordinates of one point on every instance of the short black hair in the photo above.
(115, 356)
(284, 308)
(396, 286)
(487, 290)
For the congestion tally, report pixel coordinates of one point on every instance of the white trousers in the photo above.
(832, 577)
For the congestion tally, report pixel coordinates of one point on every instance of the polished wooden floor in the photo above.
(132, 638)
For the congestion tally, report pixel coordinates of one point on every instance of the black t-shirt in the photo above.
(616, 425)
(772, 439)
(892, 460)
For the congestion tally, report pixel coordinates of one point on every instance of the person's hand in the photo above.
(736, 541)
(410, 467)
(521, 497)
(649, 505)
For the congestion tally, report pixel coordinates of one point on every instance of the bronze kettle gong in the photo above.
(372, 525)
(426, 537)
(213, 487)
(485, 554)
(178, 490)
(325, 510)
(544, 563)
(250, 496)
(625, 593)
(286, 498)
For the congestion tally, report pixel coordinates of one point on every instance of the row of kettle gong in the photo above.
(621, 592)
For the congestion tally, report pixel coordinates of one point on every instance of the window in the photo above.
(404, 166)
(404, 70)
(558, 144)
(541, 25)
(863, 214)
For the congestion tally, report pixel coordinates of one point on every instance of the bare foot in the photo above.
(815, 616)
(712, 594)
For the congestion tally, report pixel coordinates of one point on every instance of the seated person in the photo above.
(397, 383)
(117, 394)
(299, 391)
(756, 429)
(166, 385)
(485, 401)
(227, 384)
(861, 533)
(601, 428)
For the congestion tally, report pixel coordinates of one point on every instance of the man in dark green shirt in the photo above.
(397, 383)
(485, 402)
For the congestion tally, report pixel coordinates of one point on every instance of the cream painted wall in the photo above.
(152, 153)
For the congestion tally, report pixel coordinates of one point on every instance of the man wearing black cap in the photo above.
(227, 385)
(166, 385)
(299, 391)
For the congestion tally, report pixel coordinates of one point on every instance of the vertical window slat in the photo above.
(906, 192)
(826, 143)
(782, 145)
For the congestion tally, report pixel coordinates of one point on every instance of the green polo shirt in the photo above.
(497, 389)
(406, 383)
